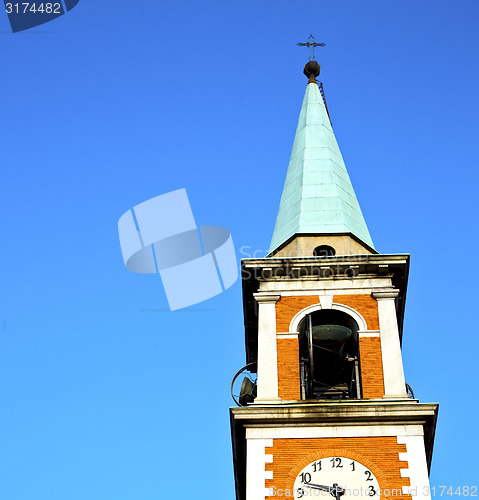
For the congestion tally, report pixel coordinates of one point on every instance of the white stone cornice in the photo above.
(305, 285)
(266, 298)
(334, 431)
(385, 294)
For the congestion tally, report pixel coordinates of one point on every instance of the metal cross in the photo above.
(311, 44)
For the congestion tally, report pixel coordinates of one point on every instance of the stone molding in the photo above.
(343, 431)
(385, 294)
(369, 334)
(265, 298)
(287, 335)
(368, 412)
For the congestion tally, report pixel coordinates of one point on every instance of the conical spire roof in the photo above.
(318, 197)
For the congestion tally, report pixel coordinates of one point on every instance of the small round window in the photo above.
(324, 251)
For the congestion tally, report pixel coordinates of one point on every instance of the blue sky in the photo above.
(105, 393)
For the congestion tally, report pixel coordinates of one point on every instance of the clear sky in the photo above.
(104, 393)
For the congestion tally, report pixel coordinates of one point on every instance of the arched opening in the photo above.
(324, 251)
(329, 356)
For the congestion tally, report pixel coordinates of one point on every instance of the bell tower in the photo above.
(331, 414)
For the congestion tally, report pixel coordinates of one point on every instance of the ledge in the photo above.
(370, 412)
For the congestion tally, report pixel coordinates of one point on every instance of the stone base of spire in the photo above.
(304, 245)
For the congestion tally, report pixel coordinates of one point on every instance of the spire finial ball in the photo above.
(312, 70)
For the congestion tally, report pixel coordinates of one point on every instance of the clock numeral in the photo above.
(353, 465)
(317, 466)
(300, 492)
(371, 491)
(368, 474)
(305, 477)
(336, 462)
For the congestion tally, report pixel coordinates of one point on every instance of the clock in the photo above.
(337, 477)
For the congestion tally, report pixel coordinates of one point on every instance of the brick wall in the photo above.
(288, 369)
(379, 454)
(288, 349)
(372, 377)
(365, 305)
(288, 307)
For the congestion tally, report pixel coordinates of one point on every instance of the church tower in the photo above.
(331, 414)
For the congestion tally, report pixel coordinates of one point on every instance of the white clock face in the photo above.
(336, 478)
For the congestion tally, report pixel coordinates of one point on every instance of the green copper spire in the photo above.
(318, 197)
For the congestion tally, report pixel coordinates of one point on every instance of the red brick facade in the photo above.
(288, 349)
(288, 307)
(366, 306)
(288, 369)
(291, 455)
(372, 377)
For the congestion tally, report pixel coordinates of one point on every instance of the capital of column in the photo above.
(390, 293)
(264, 298)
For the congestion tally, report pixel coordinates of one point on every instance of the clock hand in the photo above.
(318, 487)
(335, 490)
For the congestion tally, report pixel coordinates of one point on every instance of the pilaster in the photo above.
(267, 349)
(394, 382)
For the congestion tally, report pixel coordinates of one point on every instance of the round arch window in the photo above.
(324, 251)
(329, 356)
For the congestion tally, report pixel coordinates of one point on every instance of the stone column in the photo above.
(394, 383)
(267, 351)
